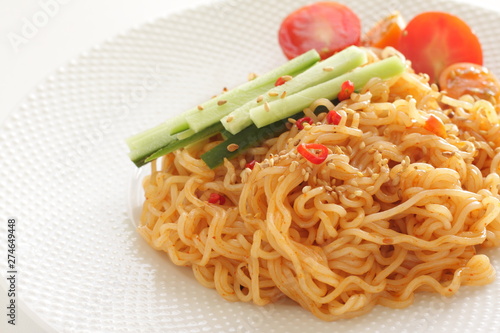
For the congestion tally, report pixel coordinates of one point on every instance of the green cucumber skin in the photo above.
(212, 112)
(249, 137)
(178, 144)
(341, 63)
(286, 107)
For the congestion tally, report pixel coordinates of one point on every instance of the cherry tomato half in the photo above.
(467, 78)
(327, 27)
(386, 32)
(435, 40)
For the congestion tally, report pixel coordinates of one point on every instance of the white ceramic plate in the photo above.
(66, 177)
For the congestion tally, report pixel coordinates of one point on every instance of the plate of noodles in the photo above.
(396, 231)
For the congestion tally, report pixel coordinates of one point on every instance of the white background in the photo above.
(72, 27)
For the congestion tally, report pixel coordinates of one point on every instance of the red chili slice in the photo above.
(250, 165)
(333, 117)
(281, 80)
(310, 152)
(216, 198)
(346, 90)
(435, 125)
(300, 122)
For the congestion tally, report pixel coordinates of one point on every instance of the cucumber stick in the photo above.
(338, 64)
(196, 119)
(142, 157)
(288, 106)
(143, 144)
(178, 144)
(249, 137)
(146, 143)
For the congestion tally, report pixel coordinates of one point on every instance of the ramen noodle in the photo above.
(393, 210)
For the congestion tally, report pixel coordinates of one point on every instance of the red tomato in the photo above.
(386, 32)
(435, 40)
(466, 78)
(327, 27)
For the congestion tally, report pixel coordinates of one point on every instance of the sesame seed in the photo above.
(232, 147)
(293, 166)
(291, 120)
(370, 188)
(358, 193)
(200, 107)
(293, 155)
(273, 93)
(303, 172)
(281, 178)
(328, 69)
(283, 94)
(252, 76)
(267, 107)
(329, 188)
(229, 119)
(306, 177)
(306, 189)
(362, 145)
(221, 102)
(286, 78)
(354, 183)
(259, 99)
